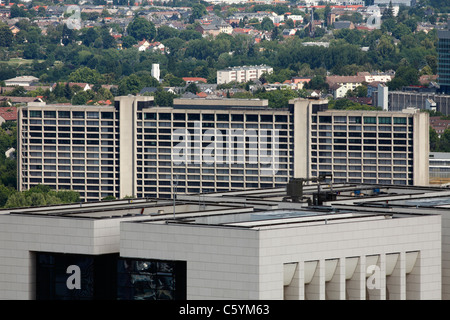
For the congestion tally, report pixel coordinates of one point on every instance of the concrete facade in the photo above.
(249, 244)
(361, 146)
(234, 263)
(137, 149)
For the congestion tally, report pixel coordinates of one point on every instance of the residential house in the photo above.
(289, 32)
(145, 45)
(14, 29)
(190, 80)
(13, 100)
(148, 90)
(300, 82)
(439, 125)
(84, 86)
(215, 27)
(339, 85)
(343, 25)
(8, 114)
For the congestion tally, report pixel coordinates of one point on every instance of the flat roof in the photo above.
(258, 208)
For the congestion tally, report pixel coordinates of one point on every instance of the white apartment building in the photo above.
(242, 74)
(340, 85)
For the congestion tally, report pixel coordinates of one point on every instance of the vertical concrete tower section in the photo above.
(421, 145)
(128, 108)
(303, 110)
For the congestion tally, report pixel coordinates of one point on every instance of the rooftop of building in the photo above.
(260, 209)
(220, 103)
(245, 68)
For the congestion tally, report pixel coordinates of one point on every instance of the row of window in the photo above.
(363, 141)
(168, 191)
(364, 168)
(165, 116)
(53, 114)
(360, 119)
(359, 128)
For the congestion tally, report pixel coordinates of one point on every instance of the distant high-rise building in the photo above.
(383, 96)
(155, 71)
(444, 59)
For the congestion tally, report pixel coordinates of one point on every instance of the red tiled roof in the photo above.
(202, 94)
(194, 79)
(8, 113)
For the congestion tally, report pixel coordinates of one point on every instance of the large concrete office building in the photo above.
(360, 146)
(254, 244)
(135, 148)
(444, 59)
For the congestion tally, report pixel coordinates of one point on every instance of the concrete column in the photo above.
(356, 284)
(378, 289)
(315, 290)
(395, 282)
(413, 278)
(335, 288)
(296, 289)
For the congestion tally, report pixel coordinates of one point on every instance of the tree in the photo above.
(141, 28)
(128, 41)
(192, 87)
(198, 11)
(136, 82)
(85, 75)
(59, 90)
(434, 140)
(166, 32)
(17, 11)
(278, 98)
(404, 76)
(68, 91)
(267, 24)
(171, 81)
(41, 195)
(388, 13)
(6, 36)
(31, 51)
(359, 91)
(90, 36)
(444, 142)
(5, 193)
(81, 98)
(164, 98)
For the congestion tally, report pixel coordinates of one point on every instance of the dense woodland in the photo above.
(91, 55)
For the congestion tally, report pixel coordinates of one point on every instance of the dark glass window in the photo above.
(194, 116)
(165, 116)
(237, 117)
(222, 117)
(280, 118)
(179, 116)
(151, 280)
(49, 114)
(97, 276)
(208, 117)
